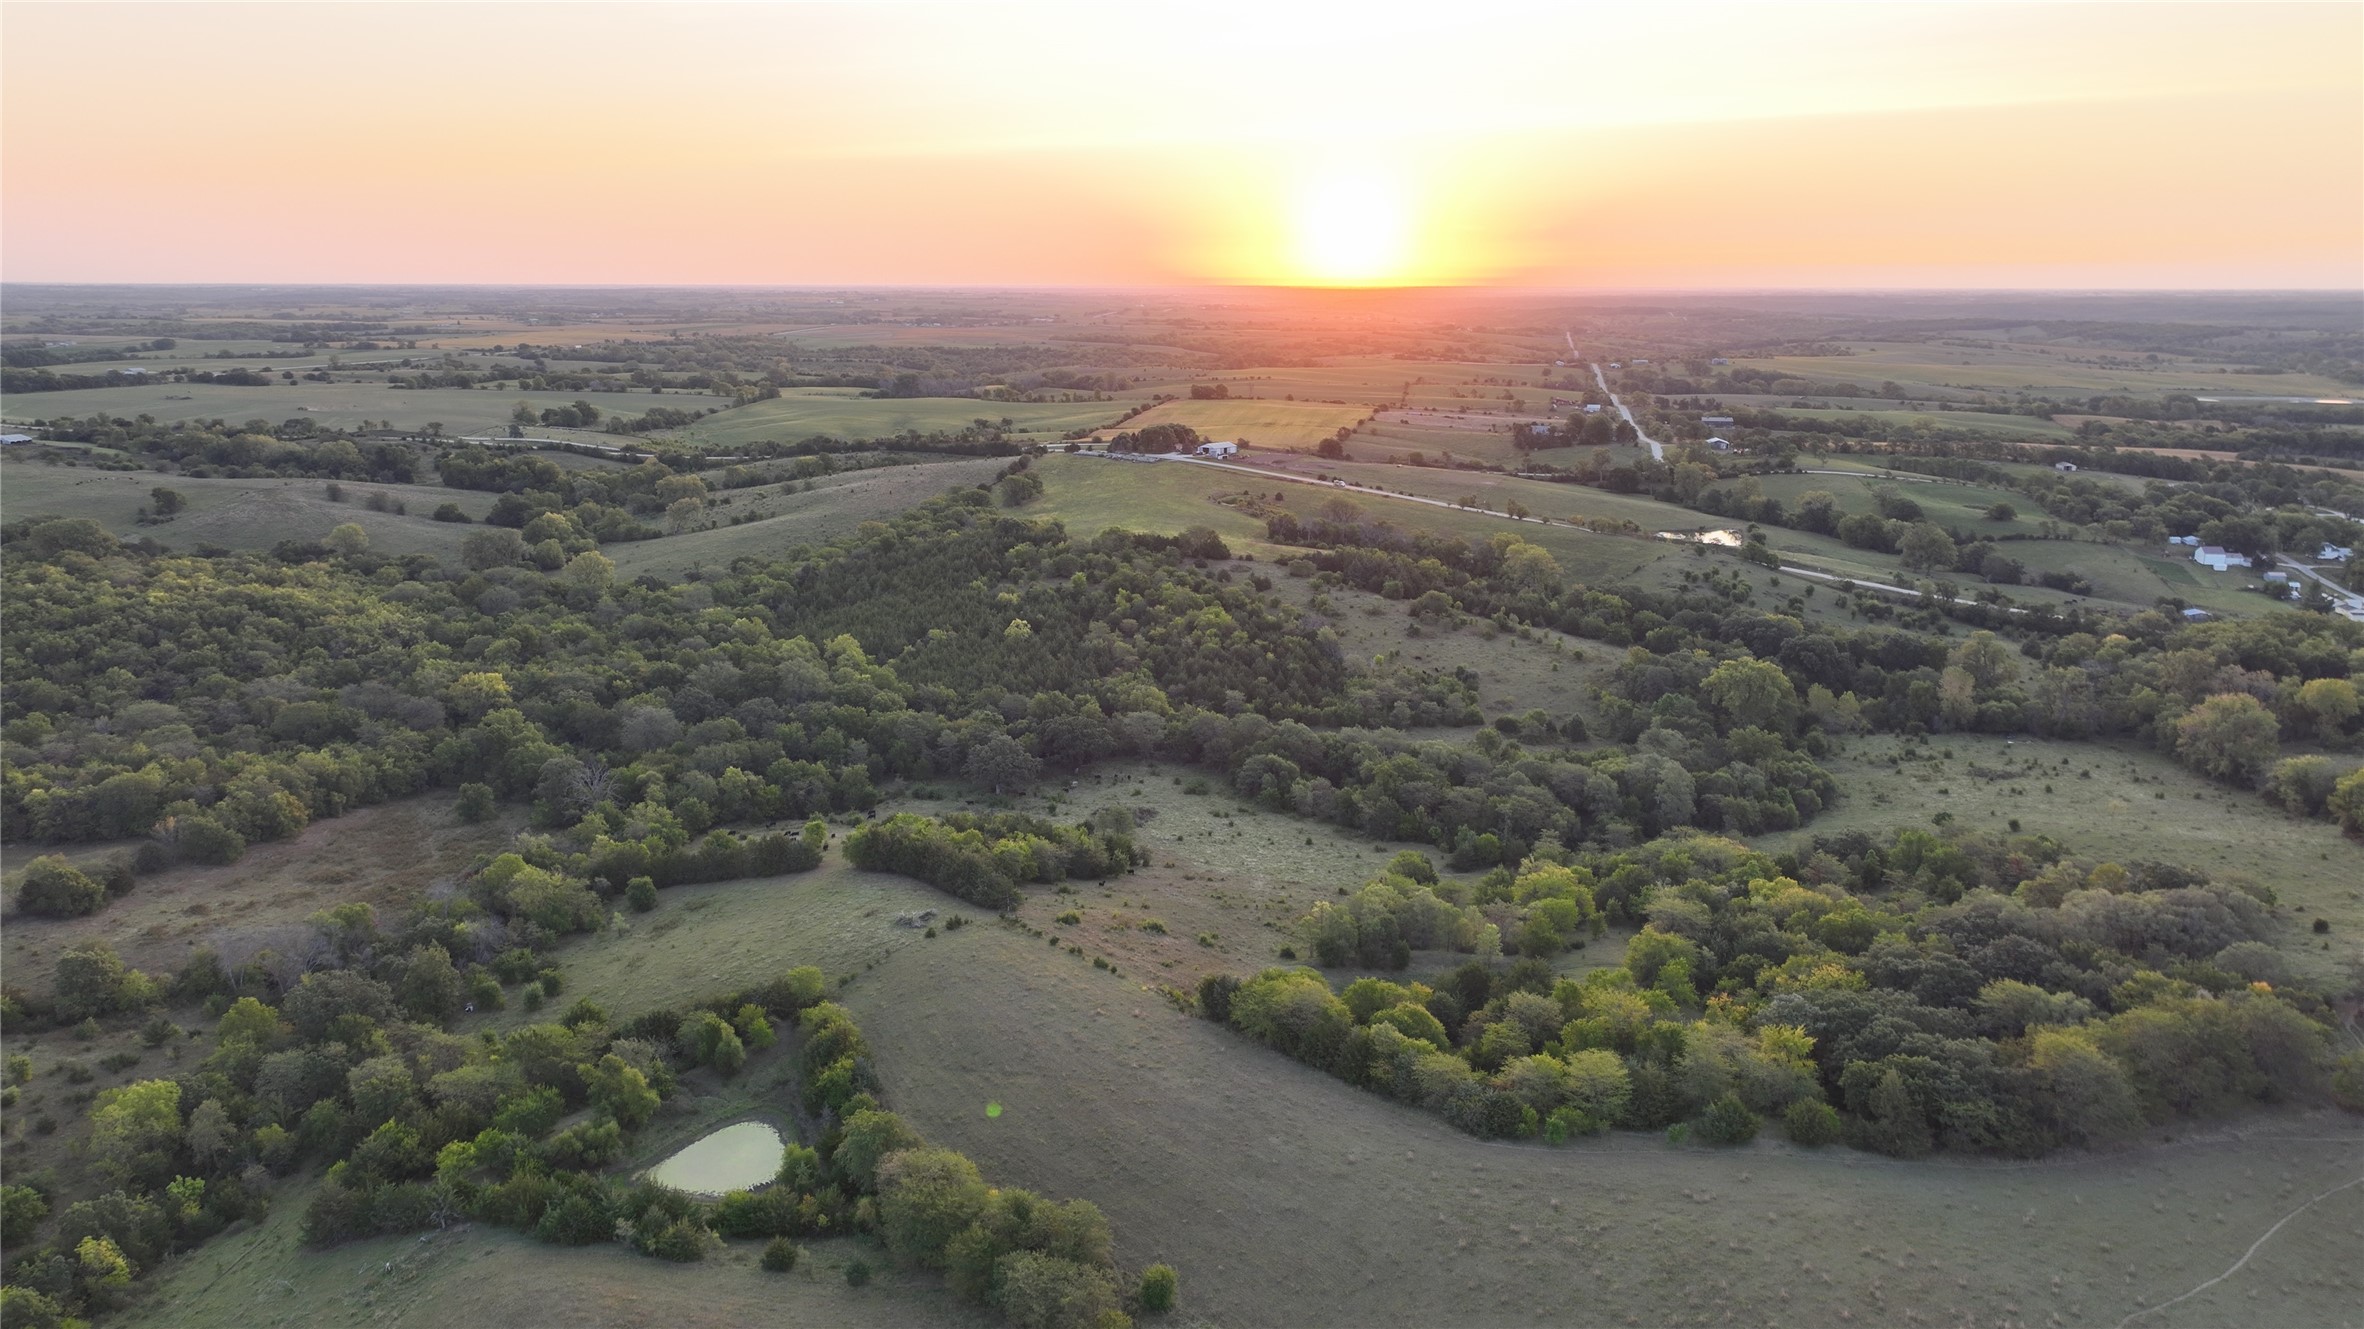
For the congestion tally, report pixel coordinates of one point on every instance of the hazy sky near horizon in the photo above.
(1679, 145)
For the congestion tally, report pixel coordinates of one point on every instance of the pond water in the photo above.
(738, 1157)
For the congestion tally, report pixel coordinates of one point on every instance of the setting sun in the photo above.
(1352, 226)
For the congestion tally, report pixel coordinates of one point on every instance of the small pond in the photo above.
(741, 1156)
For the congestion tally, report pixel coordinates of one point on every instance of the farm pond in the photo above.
(741, 1156)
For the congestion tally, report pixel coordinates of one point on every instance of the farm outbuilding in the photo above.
(2219, 558)
(2064, 466)
(1216, 450)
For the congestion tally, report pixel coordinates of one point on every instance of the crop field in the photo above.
(2030, 369)
(802, 413)
(238, 514)
(2114, 801)
(1266, 424)
(337, 405)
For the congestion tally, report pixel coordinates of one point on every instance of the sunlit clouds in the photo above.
(1680, 145)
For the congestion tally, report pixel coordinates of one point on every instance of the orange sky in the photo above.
(1641, 146)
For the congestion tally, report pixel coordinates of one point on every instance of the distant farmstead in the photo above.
(1216, 450)
(2064, 466)
(1719, 445)
(2219, 558)
(1716, 420)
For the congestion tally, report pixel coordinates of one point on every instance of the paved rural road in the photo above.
(1657, 449)
(2339, 594)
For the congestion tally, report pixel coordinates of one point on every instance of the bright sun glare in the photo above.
(1353, 226)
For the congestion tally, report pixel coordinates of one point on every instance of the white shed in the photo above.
(1216, 449)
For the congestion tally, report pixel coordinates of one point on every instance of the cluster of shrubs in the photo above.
(984, 857)
(1973, 993)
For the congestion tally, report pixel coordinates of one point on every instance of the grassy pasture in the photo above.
(385, 856)
(2136, 804)
(1493, 490)
(2030, 369)
(1288, 1198)
(1960, 506)
(838, 336)
(1267, 424)
(837, 506)
(801, 413)
(338, 405)
(1396, 435)
(1090, 495)
(238, 514)
(263, 1277)
(1979, 422)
